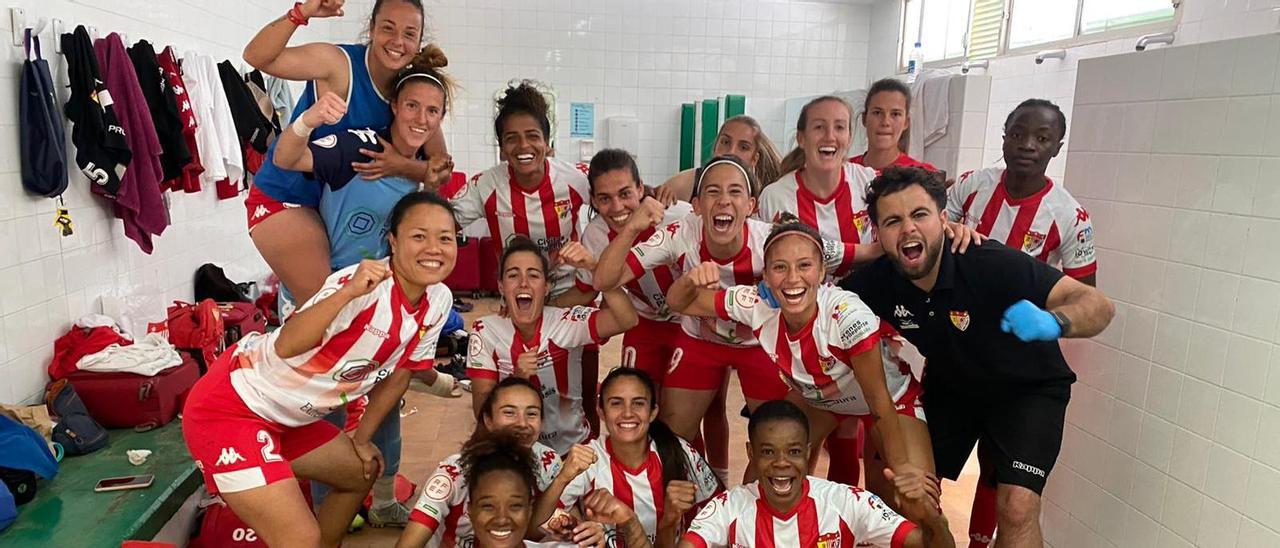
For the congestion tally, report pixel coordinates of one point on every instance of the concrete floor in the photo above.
(440, 425)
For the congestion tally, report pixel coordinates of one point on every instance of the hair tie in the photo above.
(703, 175)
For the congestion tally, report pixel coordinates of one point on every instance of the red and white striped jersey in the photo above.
(641, 489)
(442, 506)
(548, 215)
(829, 515)
(496, 344)
(370, 337)
(680, 246)
(648, 292)
(842, 216)
(1049, 225)
(903, 160)
(816, 361)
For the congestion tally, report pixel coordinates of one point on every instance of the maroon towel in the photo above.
(139, 203)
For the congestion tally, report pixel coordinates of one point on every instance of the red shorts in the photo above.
(649, 346)
(909, 405)
(700, 365)
(235, 448)
(258, 206)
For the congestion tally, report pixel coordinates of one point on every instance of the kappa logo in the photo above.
(228, 457)
(1081, 215)
(261, 212)
(901, 312)
(1019, 465)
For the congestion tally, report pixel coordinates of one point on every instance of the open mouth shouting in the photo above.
(827, 152)
(525, 158)
(912, 252)
(794, 295)
(782, 485)
(524, 302)
(722, 222)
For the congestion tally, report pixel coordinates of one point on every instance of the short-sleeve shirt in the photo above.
(648, 292)
(1049, 225)
(549, 214)
(442, 506)
(496, 344)
(355, 211)
(828, 514)
(842, 216)
(903, 160)
(817, 361)
(371, 336)
(956, 326)
(680, 245)
(641, 488)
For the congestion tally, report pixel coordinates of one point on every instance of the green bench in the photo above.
(67, 512)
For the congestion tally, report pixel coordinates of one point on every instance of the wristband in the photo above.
(295, 16)
(300, 128)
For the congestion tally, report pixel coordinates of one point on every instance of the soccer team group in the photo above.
(806, 275)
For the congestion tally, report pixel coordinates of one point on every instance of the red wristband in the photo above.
(295, 16)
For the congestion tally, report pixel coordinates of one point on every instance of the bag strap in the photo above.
(31, 42)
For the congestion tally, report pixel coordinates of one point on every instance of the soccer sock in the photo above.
(982, 519)
(844, 465)
(384, 491)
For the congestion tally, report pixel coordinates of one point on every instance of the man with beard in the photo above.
(988, 322)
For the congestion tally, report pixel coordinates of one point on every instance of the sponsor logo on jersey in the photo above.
(960, 319)
(840, 307)
(901, 312)
(228, 456)
(1085, 234)
(260, 212)
(355, 370)
(376, 332)
(1081, 216)
(1032, 240)
(328, 141)
(577, 314)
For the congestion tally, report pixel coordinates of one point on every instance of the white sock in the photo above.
(384, 492)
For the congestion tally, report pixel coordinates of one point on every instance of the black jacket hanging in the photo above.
(43, 143)
(102, 152)
(251, 126)
(164, 109)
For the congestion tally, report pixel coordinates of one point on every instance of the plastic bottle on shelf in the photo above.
(915, 63)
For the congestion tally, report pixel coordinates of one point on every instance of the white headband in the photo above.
(420, 75)
(707, 168)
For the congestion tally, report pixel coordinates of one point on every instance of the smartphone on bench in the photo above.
(123, 483)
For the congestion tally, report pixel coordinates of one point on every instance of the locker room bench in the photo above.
(67, 512)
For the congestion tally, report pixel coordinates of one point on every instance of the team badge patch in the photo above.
(860, 220)
(829, 540)
(328, 141)
(563, 207)
(960, 319)
(745, 297)
(438, 487)
(1032, 241)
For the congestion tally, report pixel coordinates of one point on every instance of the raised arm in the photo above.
(269, 52)
(678, 188)
(611, 270)
(694, 294)
(306, 329)
(292, 152)
(618, 314)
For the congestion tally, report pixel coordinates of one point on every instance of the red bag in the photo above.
(197, 328)
(126, 400)
(220, 527)
(488, 265)
(240, 319)
(466, 270)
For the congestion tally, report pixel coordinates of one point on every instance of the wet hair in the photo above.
(776, 411)
(1040, 103)
(497, 452)
(767, 170)
(418, 197)
(675, 465)
(425, 67)
(486, 407)
(522, 98)
(788, 223)
(610, 159)
(795, 159)
(897, 179)
(517, 244)
(753, 184)
(377, 7)
(890, 85)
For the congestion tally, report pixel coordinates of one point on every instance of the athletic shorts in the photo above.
(1022, 428)
(700, 365)
(909, 405)
(258, 206)
(235, 448)
(649, 346)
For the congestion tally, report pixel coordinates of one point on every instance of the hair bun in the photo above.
(430, 56)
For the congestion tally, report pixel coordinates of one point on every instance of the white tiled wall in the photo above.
(638, 58)
(1171, 436)
(47, 281)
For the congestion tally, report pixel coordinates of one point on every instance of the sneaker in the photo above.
(391, 515)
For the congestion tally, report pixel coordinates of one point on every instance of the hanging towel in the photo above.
(219, 146)
(281, 97)
(42, 141)
(102, 152)
(139, 204)
(164, 110)
(189, 181)
(930, 109)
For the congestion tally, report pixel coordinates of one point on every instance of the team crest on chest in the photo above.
(829, 540)
(860, 220)
(1033, 240)
(960, 319)
(563, 207)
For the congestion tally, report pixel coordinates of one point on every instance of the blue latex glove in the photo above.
(1030, 323)
(766, 295)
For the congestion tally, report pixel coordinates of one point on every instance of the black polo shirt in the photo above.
(957, 325)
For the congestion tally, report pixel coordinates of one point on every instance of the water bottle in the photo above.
(915, 63)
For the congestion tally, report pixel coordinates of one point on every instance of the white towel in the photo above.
(930, 109)
(149, 356)
(216, 131)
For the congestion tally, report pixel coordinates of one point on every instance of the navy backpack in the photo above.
(43, 141)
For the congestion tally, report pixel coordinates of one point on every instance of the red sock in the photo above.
(844, 466)
(982, 519)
